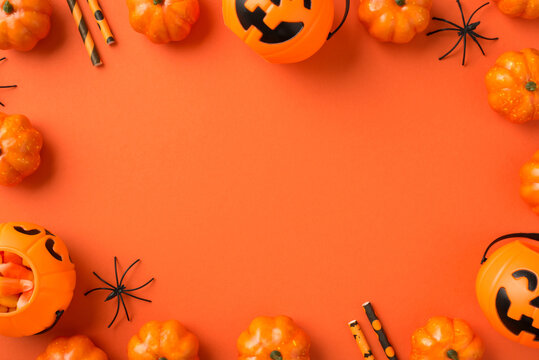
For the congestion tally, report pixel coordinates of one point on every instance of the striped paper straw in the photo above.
(83, 30)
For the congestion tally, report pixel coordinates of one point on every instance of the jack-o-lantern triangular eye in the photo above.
(535, 302)
(530, 276)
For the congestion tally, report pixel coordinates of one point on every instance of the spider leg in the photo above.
(453, 48)
(2, 104)
(476, 10)
(125, 308)
(478, 44)
(106, 282)
(445, 29)
(461, 12)
(116, 271)
(138, 298)
(482, 37)
(141, 286)
(115, 315)
(127, 270)
(7, 86)
(447, 21)
(91, 291)
(464, 52)
(2, 59)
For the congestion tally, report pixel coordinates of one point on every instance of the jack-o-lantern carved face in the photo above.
(54, 278)
(503, 305)
(508, 290)
(282, 31)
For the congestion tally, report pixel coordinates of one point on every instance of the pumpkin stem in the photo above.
(452, 354)
(531, 86)
(8, 8)
(276, 355)
(162, 358)
(401, 2)
(157, 2)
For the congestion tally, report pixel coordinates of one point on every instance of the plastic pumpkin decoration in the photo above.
(20, 147)
(397, 21)
(282, 31)
(443, 338)
(53, 273)
(78, 347)
(163, 21)
(526, 9)
(513, 85)
(273, 338)
(529, 188)
(163, 340)
(508, 290)
(23, 23)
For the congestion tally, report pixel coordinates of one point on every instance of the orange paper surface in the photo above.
(369, 172)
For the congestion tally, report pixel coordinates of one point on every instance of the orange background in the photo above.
(369, 172)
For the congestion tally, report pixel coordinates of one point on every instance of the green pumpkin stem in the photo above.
(401, 2)
(8, 8)
(452, 354)
(531, 86)
(157, 2)
(276, 355)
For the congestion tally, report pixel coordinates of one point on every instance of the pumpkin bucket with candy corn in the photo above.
(37, 279)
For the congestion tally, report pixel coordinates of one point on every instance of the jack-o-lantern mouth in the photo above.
(283, 32)
(503, 303)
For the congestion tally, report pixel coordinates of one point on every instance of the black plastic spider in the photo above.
(6, 86)
(468, 29)
(119, 290)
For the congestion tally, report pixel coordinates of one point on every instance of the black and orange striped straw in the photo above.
(84, 33)
(101, 21)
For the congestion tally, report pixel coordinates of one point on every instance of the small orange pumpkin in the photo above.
(443, 338)
(163, 21)
(54, 278)
(513, 85)
(526, 9)
(20, 146)
(273, 338)
(529, 188)
(163, 340)
(78, 347)
(397, 21)
(23, 23)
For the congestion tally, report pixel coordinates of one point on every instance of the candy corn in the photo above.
(9, 301)
(10, 286)
(12, 258)
(16, 282)
(11, 270)
(24, 299)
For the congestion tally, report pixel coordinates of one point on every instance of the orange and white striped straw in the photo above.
(84, 33)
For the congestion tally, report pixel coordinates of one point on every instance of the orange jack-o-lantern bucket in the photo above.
(508, 290)
(282, 31)
(53, 276)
